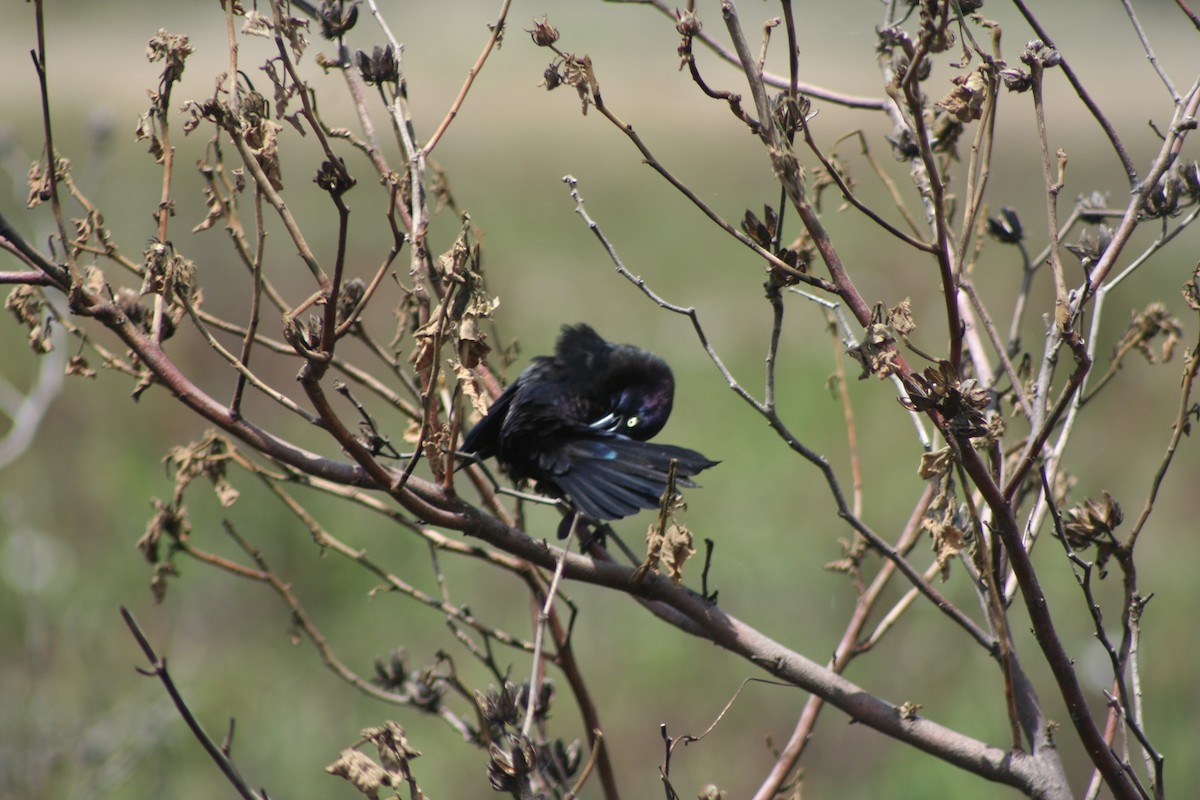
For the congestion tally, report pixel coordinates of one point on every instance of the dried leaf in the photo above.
(846, 566)
(965, 101)
(900, 318)
(437, 442)
(28, 305)
(78, 365)
(936, 464)
(206, 457)
(576, 72)
(948, 542)
(876, 353)
(394, 748)
(677, 548)
(472, 386)
(215, 206)
(158, 580)
(267, 151)
(1154, 322)
(257, 24)
(169, 521)
(453, 262)
(363, 774)
(1191, 290)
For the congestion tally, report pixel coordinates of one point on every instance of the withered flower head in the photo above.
(1016, 79)
(333, 177)
(337, 17)
(541, 707)
(426, 690)
(1177, 188)
(687, 23)
(1092, 206)
(762, 232)
(351, 295)
(500, 707)
(559, 760)
(935, 34)
(1188, 174)
(510, 762)
(904, 144)
(1089, 250)
(1006, 227)
(960, 402)
(790, 112)
(379, 67)
(1036, 53)
(392, 671)
(550, 78)
(543, 34)
(1091, 521)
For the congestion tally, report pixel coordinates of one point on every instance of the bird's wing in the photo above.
(609, 477)
(484, 438)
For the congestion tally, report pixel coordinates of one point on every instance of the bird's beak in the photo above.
(608, 423)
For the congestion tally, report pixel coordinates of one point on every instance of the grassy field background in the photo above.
(75, 718)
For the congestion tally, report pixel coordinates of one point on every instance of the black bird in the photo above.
(577, 422)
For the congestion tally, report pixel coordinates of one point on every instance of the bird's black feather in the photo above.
(578, 423)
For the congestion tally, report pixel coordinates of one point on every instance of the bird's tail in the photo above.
(613, 477)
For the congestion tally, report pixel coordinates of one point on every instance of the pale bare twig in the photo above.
(539, 636)
(1153, 59)
(778, 81)
(1053, 187)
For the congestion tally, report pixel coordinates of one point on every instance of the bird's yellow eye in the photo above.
(632, 422)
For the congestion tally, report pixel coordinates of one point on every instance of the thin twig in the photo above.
(1118, 658)
(497, 28)
(1180, 427)
(850, 646)
(849, 341)
(836, 175)
(39, 63)
(244, 372)
(1183, 121)
(708, 211)
(256, 290)
(539, 636)
(1153, 59)
(1053, 187)
(1076, 84)
(158, 669)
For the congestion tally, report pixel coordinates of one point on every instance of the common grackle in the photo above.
(578, 421)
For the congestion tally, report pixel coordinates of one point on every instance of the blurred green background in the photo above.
(76, 720)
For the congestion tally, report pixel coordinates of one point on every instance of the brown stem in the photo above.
(1060, 662)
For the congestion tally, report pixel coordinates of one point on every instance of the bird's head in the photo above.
(640, 391)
